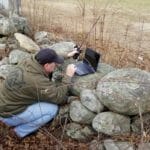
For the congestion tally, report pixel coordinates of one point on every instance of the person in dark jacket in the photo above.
(28, 98)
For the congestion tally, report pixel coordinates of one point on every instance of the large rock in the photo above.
(63, 48)
(111, 123)
(21, 25)
(104, 69)
(125, 91)
(79, 113)
(78, 132)
(112, 145)
(16, 56)
(82, 82)
(90, 101)
(12, 43)
(12, 25)
(7, 27)
(27, 43)
(42, 37)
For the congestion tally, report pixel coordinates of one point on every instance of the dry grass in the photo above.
(121, 34)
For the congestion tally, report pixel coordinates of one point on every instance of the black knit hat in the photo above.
(48, 56)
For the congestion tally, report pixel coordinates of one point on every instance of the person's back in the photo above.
(28, 86)
(18, 90)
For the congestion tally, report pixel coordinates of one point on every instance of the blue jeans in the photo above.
(32, 118)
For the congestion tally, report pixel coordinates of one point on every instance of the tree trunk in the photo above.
(14, 7)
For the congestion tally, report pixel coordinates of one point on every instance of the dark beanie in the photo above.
(48, 56)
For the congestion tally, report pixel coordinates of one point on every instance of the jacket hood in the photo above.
(31, 65)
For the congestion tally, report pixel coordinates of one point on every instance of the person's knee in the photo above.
(55, 110)
(52, 110)
(45, 109)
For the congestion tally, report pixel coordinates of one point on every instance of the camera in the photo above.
(77, 54)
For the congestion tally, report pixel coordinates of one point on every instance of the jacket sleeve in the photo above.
(51, 92)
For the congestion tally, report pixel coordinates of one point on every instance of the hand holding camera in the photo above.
(75, 53)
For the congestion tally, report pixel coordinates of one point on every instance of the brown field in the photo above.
(121, 33)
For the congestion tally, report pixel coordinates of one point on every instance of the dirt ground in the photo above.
(44, 139)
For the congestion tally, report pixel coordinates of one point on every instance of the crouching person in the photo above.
(28, 98)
